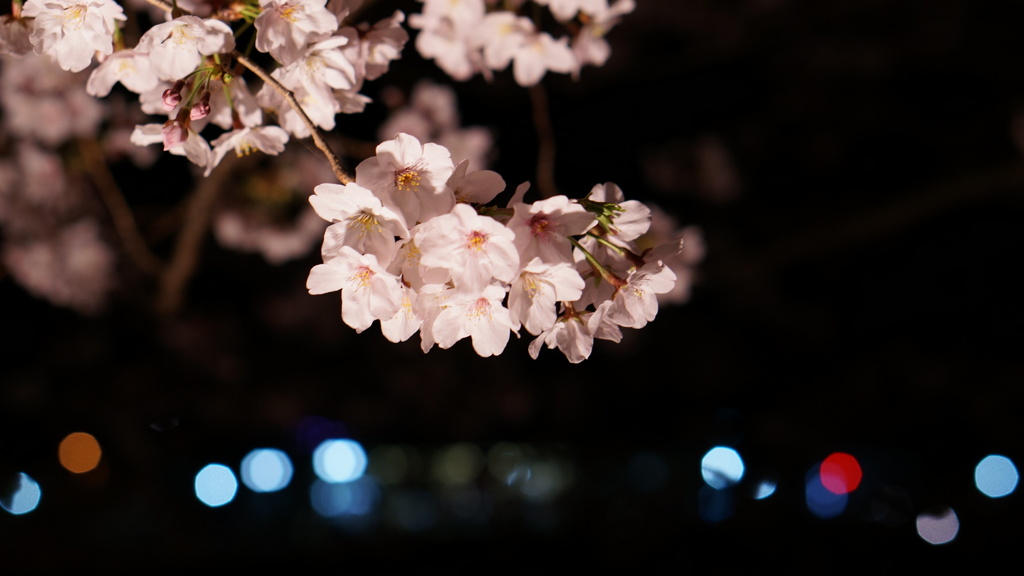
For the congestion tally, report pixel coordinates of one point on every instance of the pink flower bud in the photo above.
(202, 108)
(172, 96)
(174, 133)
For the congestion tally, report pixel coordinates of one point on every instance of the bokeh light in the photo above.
(356, 498)
(339, 460)
(821, 501)
(938, 528)
(508, 462)
(764, 489)
(996, 476)
(216, 485)
(24, 498)
(79, 452)
(458, 464)
(721, 467)
(266, 470)
(840, 473)
(394, 464)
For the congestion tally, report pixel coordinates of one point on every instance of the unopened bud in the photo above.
(201, 108)
(172, 96)
(174, 133)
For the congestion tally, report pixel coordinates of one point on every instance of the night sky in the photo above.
(854, 169)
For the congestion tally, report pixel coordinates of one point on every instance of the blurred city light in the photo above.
(356, 498)
(996, 476)
(216, 485)
(721, 467)
(266, 470)
(25, 497)
(938, 528)
(508, 463)
(458, 464)
(840, 473)
(79, 452)
(764, 489)
(821, 501)
(339, 460)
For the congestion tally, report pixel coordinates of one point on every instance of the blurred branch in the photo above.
(120, 213)
(842, 233)
(185, 257)
(545, 141)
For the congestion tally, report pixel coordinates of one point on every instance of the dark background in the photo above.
(860, 294)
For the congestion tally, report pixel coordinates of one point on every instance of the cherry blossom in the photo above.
(72, 31)
(285, 27)
(177, 47)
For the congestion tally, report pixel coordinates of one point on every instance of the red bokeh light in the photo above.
(840, 473)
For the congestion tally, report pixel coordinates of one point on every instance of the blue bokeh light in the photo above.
(216, 485)
(25, 498)
(721, 467)
(996, 476)
(821, 501)
(339, 460)
(764, 489)
(266, 470)
(356, 498)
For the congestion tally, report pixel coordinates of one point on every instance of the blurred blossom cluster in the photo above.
(413, 240)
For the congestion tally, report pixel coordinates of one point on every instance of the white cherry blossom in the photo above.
(285, 27)
(72, 31)
(244, 141)
(480, 316)
(368, 292)
(474, 248)
(177, 47)
(409, 178)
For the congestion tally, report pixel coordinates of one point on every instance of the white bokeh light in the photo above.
(721, 467)
(25, 498)
(216, 485)
(996, 476)
(339, 460)
(938, 529)
(266, 470)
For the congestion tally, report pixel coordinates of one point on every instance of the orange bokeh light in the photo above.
(79, 452)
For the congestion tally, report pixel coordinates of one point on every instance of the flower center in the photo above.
(366, 222)
(74, 17)
(476, 241)
(539, 225)
(530, 285)
(361, 277)
(407, 181)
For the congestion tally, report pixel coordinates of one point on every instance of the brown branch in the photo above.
(120, 213)
(545, 141)
(318, 137)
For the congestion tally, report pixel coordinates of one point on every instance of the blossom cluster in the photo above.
(412, 241)
(466, 37)
(412, 244)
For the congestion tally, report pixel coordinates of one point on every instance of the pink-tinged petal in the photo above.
(324, 278)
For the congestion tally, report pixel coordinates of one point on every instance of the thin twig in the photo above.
(545, 141)
(120, 213)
